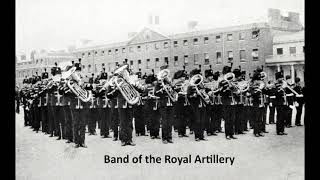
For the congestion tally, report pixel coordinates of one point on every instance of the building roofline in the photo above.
(183, 34)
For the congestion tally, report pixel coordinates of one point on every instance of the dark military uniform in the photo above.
(257, 109)
(25, 105)
(93, 115)
(280, 104)
(300, 101)
(112, 96)
(198, 107)
(103, 107)
(17, 98)
(103, 75)
(68, 119)
(272, 100)
(79, 126)
(180, 104)
(228, 109)
(52, 119)
(166, 112)
(44, 75)
(59, 116)
(125, 119)
(239, 105)
(37, 111)
(290, 102)
(139, 118)
(151, 111)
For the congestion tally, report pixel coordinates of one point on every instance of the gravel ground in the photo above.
(272, 157)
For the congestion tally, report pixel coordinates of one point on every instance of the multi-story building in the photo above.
(245, 45)
(40, 61)
(288, 56)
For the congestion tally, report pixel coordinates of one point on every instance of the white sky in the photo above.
(56, 24)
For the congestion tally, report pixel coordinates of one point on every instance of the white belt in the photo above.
(291, 94)
(272, 97)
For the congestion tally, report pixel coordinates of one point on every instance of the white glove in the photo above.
(270, 104)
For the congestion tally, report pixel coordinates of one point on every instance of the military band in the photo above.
(66, 104)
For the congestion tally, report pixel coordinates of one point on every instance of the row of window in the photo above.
(196, 60)
(175, 43)
(292, 50)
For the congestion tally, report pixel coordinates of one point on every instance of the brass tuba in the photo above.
(121, 81)
(75, 87)
(195, 81)
(163, 76)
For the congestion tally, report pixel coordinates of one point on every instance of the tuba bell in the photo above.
(121, 81)
(195, 81)
(75, 87)
(163, 76)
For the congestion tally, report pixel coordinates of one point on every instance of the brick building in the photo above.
(38, 62)
(246, 45)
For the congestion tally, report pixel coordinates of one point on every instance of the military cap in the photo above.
(256, 75)
(194, 72)
(278, 75)
(53, 70)
(179, 74)
(259, 69)
(208, 73)
(138, 74)
(164, 67)
(150, 79)
(58, 70)
(237, 73)
(78, 66)
(216, 75)
(226, 69)
(288, 77)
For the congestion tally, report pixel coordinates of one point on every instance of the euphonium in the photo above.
(243, 86)
(164, 75)
(195, 81)
(75, 87)
(121, 81)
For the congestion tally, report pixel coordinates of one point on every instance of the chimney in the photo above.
(156, 20)
(294, 17)
(274, 15)
(191, 25)
(150, 19)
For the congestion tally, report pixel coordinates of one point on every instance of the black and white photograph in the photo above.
(160, 89)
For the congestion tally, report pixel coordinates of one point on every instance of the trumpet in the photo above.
(195, 81)
(285, 85)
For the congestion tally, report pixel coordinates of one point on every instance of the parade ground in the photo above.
(272, 157)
